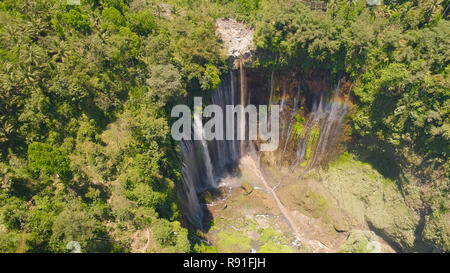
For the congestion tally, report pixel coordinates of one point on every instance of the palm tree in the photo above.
(332, 5)
(350, 4)
(432, 8)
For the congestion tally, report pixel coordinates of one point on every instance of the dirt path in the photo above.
(303, 238)
(247, 160)
(144, 249)
(138, 239)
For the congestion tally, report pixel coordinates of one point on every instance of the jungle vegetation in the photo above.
(86, 92)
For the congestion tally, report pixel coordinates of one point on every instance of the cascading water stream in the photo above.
(198, 128)
(232, 143)
(323, 125)
(283, 95)
(190, 173)
(242, 121)
(204, 162)
(289, 131)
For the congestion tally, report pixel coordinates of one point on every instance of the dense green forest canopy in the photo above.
(86, 93)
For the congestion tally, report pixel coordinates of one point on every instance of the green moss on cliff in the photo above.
(361, 242)
(368, 197)
(437, 231)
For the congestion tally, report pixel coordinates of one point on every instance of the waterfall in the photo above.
(289, 131)
(232, 143)
(198, 128)
(320, 131)
(283, 94)
(203, 164)
(271, 88)
(270, 96)
(227, 151)
(242, 121)
(190, 173)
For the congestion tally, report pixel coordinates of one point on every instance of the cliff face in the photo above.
(353, 195)
(357, 195)
(237, 37)
(312, 110)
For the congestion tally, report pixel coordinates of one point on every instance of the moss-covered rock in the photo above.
(273, 241)
(340, 224)
(233, 241)
(314, 203)
(368, 197)
(207, 197)
(247, 187)
(437, 231)
(360, 241)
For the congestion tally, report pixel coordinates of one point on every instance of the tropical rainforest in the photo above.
(86, 92)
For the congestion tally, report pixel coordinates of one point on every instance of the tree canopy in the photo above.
(86, 91)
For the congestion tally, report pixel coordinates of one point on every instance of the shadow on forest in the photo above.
(380, 155)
